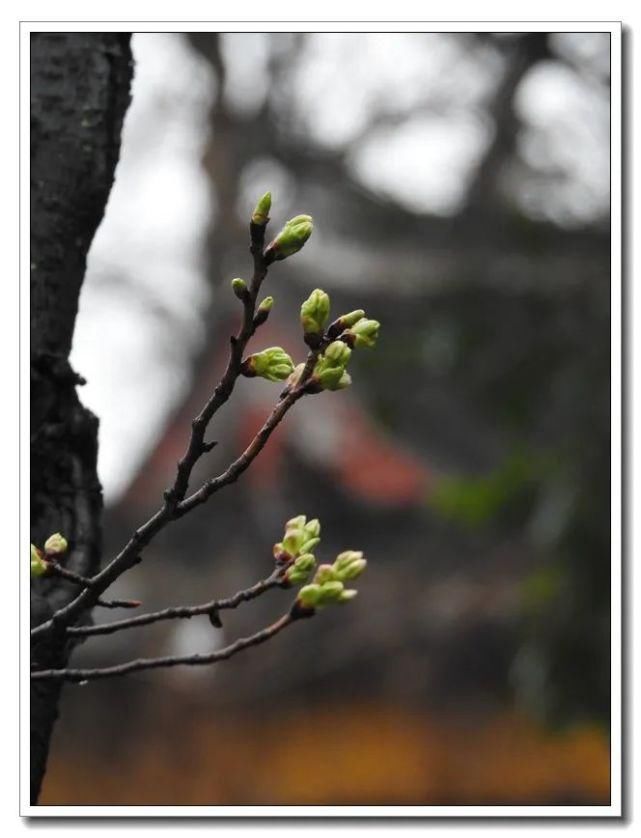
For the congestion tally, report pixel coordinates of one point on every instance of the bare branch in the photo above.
(58, 570)
(142, 664)
(257, 444)
(185, 611)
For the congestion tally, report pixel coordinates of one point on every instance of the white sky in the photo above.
(144, 278)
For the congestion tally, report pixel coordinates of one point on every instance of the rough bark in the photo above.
(79, 95)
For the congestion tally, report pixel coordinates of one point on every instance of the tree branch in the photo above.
(257, 444)
(142, 664)
(185, 611)
(58, 570)
(174, 505)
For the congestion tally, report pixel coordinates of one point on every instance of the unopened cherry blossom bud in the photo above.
(39, 566)
(314, 313)
(260, 215)
(239, 287)
(300, 570)
(55, 545)
(273, 363)
(290, 239)
(364, 333)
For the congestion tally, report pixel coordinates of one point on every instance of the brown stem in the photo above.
(81, 675)
(183, 611)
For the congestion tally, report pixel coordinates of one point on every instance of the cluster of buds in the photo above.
(330, 371)
(295, 551)
(273, 363)
(301, 537)
(328, 585)
(54, 548)
(290, 239)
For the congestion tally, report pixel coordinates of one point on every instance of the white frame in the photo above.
(614, 810)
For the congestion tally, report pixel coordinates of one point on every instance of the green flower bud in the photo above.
(332, 379)
(56, 545)
(344, 381)
(348, 320)
(292, 541)
(352, 571)
(262, 312)
(325, 573)
(306, 562)
(298, 219)
(346, 558)
(347, 595)
(301, 569)
(296, 523)
(239, 287)
(300, 537)
(364, 333)
(313, 528)
(330, 591)
(337, 354)
(314, 313)
(39, 566)
(260, 215)
(308, 546)
(329, 372)
(309, 596)
(291, 238)
(273, 363)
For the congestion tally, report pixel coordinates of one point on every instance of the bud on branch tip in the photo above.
(328, 585)
(56, 545)
(314, 313)
(291, 238)
(273, 363)
(260, 215)
(364, 333)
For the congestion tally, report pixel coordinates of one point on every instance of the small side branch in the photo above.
(81, 675)
(182, 612)
(58, 570)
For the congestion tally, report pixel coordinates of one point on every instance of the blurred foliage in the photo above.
(479, 500)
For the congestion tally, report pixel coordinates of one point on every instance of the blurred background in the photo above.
(459, 185)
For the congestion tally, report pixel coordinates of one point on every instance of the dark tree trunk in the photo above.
(79, 95)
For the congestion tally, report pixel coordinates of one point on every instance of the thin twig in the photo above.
(64, 573)
(69, 575)
(224, 388)
(119, 603)
(82, 675)
(184, 611)
(233, 472)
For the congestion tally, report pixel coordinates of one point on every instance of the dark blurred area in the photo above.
(470, 459)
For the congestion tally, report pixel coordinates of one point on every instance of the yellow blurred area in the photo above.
(342, 756)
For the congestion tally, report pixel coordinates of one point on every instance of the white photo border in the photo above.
(615, 809)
